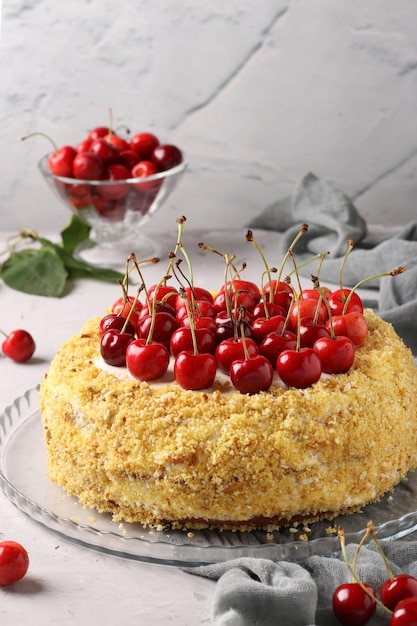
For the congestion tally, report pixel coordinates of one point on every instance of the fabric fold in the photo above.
(260, 592)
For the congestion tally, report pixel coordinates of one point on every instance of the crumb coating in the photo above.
(160, 455)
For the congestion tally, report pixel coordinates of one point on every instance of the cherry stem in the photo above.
(56, 149)
(172, 255)
(153, 312)
(132, 307)
(193, 298)
(380, 550)
(345, 258)
(251, 239)
(297, 275)
(303, 230)
(324, 299)
(394, 272)
(242, 333)
(189, 313)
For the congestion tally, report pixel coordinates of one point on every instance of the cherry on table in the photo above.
(14, 562)
(19, 345)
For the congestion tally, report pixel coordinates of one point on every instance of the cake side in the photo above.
(157, 454)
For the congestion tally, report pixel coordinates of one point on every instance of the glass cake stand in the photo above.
(23, 479)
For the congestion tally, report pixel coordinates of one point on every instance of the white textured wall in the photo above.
(257, 93)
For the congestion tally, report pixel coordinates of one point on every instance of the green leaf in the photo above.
(75, 232)
(80, 268)
(39, 272)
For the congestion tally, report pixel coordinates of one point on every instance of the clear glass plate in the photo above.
(24, 481)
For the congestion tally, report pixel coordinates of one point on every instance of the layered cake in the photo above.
(156, 453)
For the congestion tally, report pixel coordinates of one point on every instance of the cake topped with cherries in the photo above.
(253, 406)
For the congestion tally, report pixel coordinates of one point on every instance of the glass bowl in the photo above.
(115, 210)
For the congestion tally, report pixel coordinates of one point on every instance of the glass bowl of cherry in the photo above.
(115, 185)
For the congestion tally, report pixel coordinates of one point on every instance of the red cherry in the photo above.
(113, 346)
(397, 588)
(201, 321)
(308, 311)
(199, 293)
(244, 285)
(128, 158)
(236, 299)
(251, 375)
(263, 326)
(159, 308)
(228, 329)
(116, 322)
(147, 361)
(88, 166)
(14, 562)
(119, 173)
(337, 301)
(18, 345)
(352, 325)
(143, 169)
(405, 613)
(311, 331)
(164, 327)
(352, 605)
(195, 371)
(143, 144)
(96, 133)
(182, 339)
(299, 368)
(83, 146)
(61, 161)
(232, 349)
(275, 343)
(336, 355)
(205, 308)
(122, 307)
(264, 308)
(118, 142)
(281, 293)
(223, 317)
(167, 293)
(104, 150)
(166, 157)
(110, 209)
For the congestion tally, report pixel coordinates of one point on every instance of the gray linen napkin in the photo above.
(332, 219)
(259, 592)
